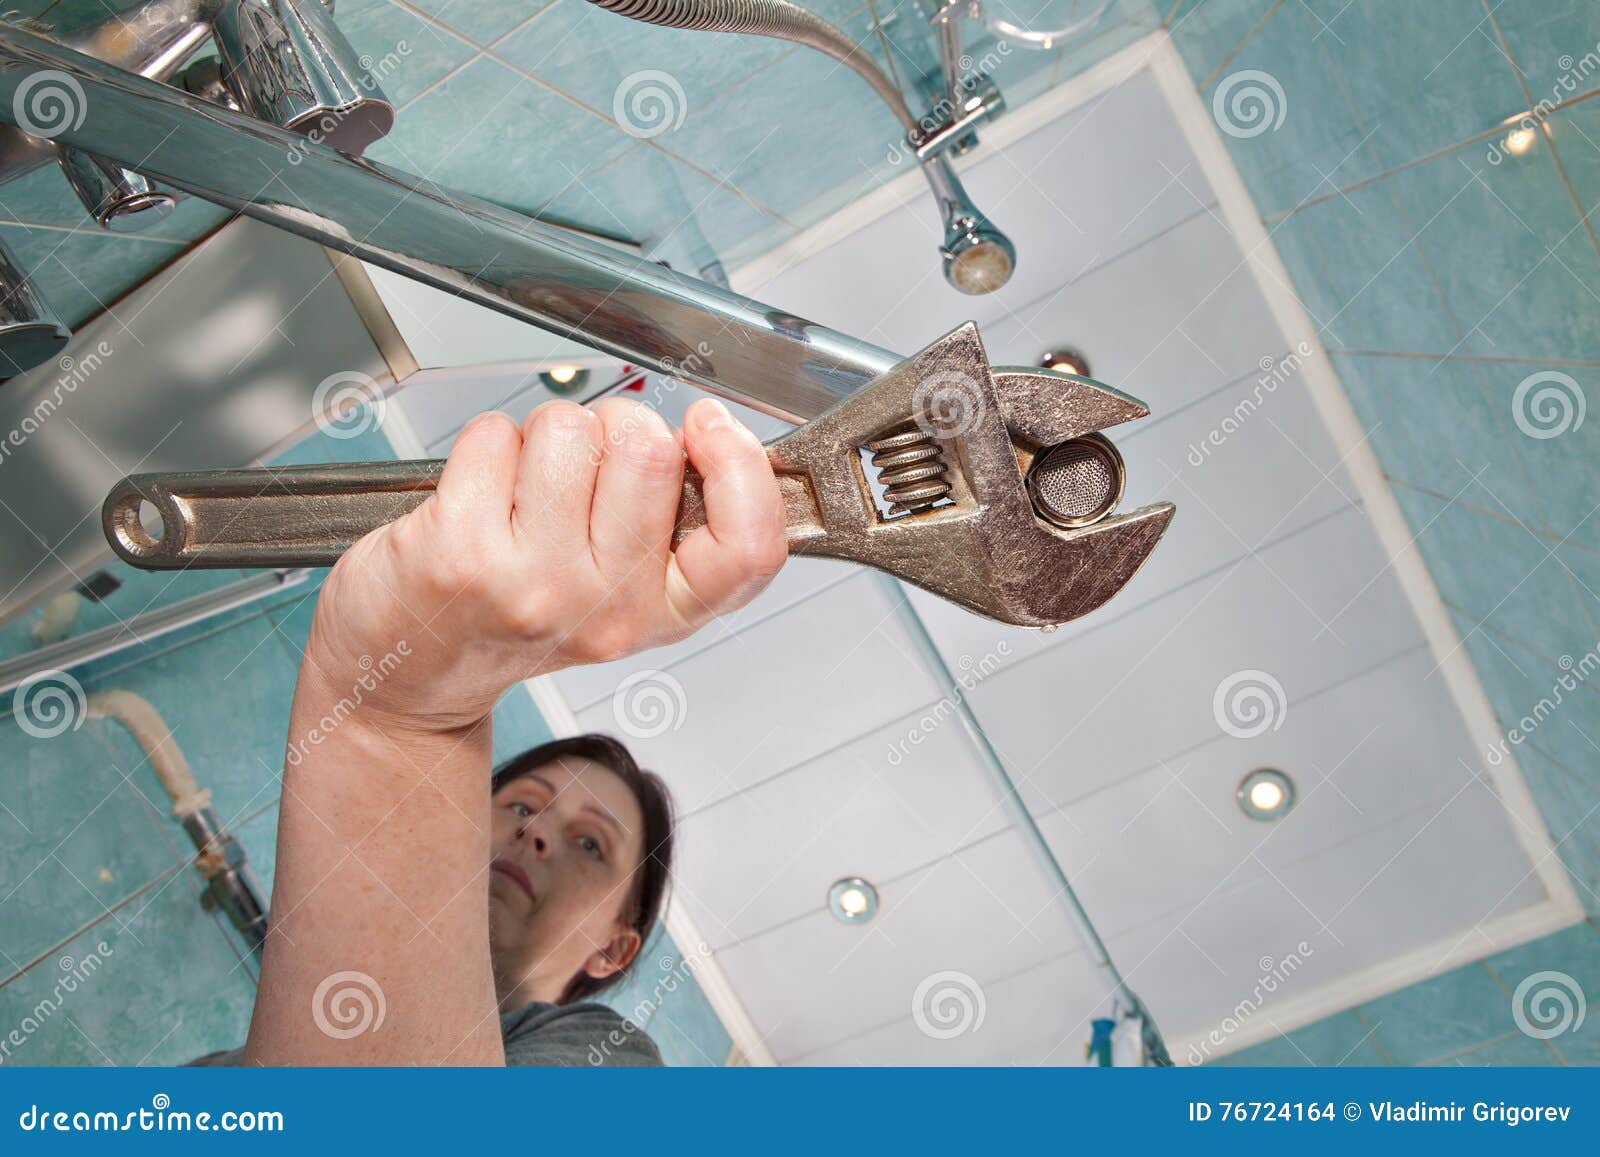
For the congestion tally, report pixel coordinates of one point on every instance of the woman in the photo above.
(544, 546)
(582, 844)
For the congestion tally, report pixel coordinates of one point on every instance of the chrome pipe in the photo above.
(30, 334)
(978, 258)
(287, 62)
(605, 298)
(118, 199)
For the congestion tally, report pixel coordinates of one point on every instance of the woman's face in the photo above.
(566, 842)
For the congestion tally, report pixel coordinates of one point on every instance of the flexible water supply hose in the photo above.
(150, 731)
(775, 18)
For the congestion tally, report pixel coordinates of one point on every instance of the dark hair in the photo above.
(655, 804)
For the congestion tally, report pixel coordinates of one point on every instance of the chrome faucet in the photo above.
(605, 297)
(284, 61)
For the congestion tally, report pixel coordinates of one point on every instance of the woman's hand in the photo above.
(544, 547)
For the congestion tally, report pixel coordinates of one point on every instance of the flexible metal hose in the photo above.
(776, 18)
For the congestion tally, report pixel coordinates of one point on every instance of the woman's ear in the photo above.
(617, 954)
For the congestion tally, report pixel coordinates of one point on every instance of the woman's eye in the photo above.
(521, 810)
(590, 845)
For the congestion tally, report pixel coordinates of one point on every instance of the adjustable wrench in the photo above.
(988, 486)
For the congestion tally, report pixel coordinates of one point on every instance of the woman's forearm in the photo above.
(378, 951)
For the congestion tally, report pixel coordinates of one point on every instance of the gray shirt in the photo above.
(550, 1035)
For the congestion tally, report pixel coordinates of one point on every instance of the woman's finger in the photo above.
(555, 478)
(725, 563)
(480, 472)
(637, 493)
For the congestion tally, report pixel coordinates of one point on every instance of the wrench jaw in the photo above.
(985, 548)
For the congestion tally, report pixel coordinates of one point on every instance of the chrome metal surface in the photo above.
(108, 640)
(118, 199)
(775, 18)
(152, 39)
(954, 133)
(287, 62)
(978, 258)
(231, 886)
(607, 299)
(984, 548)
(1077, 482)
(30, 333)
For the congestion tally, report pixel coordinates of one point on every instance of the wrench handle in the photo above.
(306, 516)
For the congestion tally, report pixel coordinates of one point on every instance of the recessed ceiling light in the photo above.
(1266, 794)
(1519, 141)
(1067, 360)
(564, 379)
(853, 900)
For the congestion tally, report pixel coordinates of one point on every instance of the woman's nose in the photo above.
(540, 845)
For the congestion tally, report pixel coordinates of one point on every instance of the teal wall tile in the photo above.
(1361, 275)
(1500, 572)
(592, 54)
(82, 821)
(403, 53)
(1569, 800)
(510, 140)
(1433, 425)
(662, 995)
(81, 273)
(1206, 32)
(1549, 41)
(679, 214)
(1439, 1017)
(1574, 951)
(1342, 1040)
(1515, 1050)
(1506, 243)
(483, 21)
(226, 700)
(158, 984)
(518, 725)
(1421, 75)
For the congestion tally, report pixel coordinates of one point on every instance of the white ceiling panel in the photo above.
(784, 691)
(1117, 699)
(986, 912)
(881, 807)
(1035, 189)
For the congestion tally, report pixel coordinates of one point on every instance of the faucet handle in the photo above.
(286, 62)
